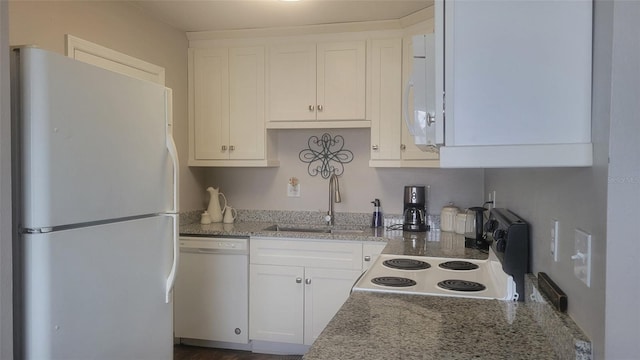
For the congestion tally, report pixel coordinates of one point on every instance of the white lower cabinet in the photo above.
(276, 310)
(297, 286)
(293, 304)
(325, 292)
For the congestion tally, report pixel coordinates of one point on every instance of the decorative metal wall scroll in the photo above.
(326, 155)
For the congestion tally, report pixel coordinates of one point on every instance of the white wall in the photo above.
(601, 200)
(6, 309)
(124, 28)
(622, 323)
(247, 188)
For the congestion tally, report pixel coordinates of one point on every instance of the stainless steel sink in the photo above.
(311, 229)
(284, 228)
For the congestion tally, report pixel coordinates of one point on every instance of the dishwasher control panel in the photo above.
(213, 244)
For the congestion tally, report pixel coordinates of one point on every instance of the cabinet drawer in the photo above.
(299, 252)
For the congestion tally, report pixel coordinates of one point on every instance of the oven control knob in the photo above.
(491, 225)
(499, 234)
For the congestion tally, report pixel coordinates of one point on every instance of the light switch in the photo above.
(582, 257)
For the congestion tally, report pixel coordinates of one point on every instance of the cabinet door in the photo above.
(210, 103)
(386, 98)
(276, 303)
(518, 73)
(341, 76)
(292, 82)
(246, 107)
(325, 292)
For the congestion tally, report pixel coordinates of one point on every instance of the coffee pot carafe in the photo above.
(475, 224)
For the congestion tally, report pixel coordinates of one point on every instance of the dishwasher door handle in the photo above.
(190, 250)
(200, 250)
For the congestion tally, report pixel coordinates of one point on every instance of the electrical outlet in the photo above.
(582, 257)
(554, 239)
(492, 198)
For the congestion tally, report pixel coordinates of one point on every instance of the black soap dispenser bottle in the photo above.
(376, 219)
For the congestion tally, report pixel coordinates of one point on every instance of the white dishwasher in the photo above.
(211, 300)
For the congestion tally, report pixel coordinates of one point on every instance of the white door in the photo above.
(210, 106)
(325, 292)
(292, 82)
(99, 292)
(212, 296)
(94, 143)
(276, 303)
(246, 108)
(386, 78)
(341, 78)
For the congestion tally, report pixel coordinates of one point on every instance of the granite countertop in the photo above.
(434, 243)
(398, 326)
(382, 326)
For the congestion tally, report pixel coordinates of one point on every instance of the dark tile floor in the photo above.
(185, 352)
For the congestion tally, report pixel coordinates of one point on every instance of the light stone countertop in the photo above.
(433, 244)
(377, 326)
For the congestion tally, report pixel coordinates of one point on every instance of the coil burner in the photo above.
(406, 264)
(393, 281)
(461, 285)
(458, 265)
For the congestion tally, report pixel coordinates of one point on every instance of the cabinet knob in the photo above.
(431, 119)
(224, 147)
(299, 280)
(319, 107)
(231, 148)
(367, 258)
(311, 108)
(307, 281)
(375, 147)
(403, 147)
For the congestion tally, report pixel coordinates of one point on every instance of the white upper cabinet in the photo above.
(292, 82)
(391, 143)
(316, 85)
(227, 107)
(517, 83)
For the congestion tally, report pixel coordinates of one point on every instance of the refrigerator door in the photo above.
(94, 143)
(99, 292)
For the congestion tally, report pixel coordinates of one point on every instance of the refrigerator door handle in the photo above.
(176, 254)
(171, 146)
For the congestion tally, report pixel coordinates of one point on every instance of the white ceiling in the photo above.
(204, 15)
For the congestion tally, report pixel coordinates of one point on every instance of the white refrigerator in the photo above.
(96, 178)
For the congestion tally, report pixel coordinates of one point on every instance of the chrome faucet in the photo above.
(334, 196)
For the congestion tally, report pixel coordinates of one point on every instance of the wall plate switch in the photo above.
(554, 239)
(582, 257)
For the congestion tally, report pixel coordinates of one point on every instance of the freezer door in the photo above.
(93, 143)
(99, 292)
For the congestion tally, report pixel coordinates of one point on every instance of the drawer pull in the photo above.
(299, 280)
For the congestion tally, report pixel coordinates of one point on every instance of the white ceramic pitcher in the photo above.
(229, 215)
(215, 208)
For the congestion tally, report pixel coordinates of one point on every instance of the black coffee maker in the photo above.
(415, 217)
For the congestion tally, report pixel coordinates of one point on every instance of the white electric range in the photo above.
(500, 276)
